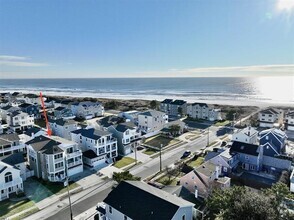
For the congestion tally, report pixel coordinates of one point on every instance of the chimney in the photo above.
(216, 172)
(196, 192)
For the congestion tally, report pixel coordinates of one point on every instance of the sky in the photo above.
(146, 38)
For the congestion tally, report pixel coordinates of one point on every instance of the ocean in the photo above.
(226, 90)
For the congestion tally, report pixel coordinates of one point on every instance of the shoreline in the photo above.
(159, 98)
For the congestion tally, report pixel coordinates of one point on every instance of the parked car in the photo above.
(186, 153)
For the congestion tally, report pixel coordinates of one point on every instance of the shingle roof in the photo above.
(122, 127)
(62, 121)
(206, 168)
(239, 147)
(60, 108)
(89, 154)
(45, 145)
(25, 105)
(269, 111)
(9, 137)
(13, 159)
(32, 130)
(178, 102)
(290, 113)
(139, 200)
(167, 101)
(91, 133)
(109, 120)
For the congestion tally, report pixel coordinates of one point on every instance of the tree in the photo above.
(125, 175)
(153, 104)
(170, 172)
(111, 105)
(175, 129)
(242, 203)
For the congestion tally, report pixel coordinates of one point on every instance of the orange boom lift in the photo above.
(49, 132)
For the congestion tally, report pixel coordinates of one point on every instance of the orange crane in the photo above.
(49, 132)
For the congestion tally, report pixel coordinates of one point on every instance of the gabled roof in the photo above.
(32, 130)
(167, 101)
(239, 147)
(122, 127)
(7, 107)
(139, 200)
(45, 145)
(206, 169)
(274, 131)
(13, 159)
(200, 104)
(91, 133)
(62, 122)
(152, 113)
(178, 102)
(25, 105)
(248, 131)
(269, 111)
(109, 120)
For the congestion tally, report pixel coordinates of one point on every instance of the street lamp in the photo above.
(160, 161)
(207, 137)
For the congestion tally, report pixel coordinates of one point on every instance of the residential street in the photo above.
(90, 197)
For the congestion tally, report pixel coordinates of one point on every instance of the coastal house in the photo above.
(87, 109)
(270, 117)
(203, 111)
(54, 158)
(18, 121)
(130, 116)
(128, 137)
(249, 155)
(173, 107)
(289, 120)
(10, 144)
(10, 180)
(30, 110)
(99, 145)
(204, 179)
(31, 99)
(138, 200)
(152, 121)
(247, 135)
(4, 103)
(63, 128)
(273, 141)
(63, 113)
(4, 111)
(17, 160)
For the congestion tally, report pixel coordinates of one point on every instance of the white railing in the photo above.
(12, 148)
(74, 154)
(56, 179)
(76, 163)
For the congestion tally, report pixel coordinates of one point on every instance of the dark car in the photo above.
(186, 153)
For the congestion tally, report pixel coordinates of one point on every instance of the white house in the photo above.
(101, 142)
(203, 111)
(7, 109)
(152, 121)
(17, 160)
(128, 137)
(54, 158)
(10, 180)
(289, 120)
(130, 115)
(247, 135)
(9, 144)
(270, 117)
(138, 200)
(87, 109)
(31, 133)
(63, 128)
(18, 120)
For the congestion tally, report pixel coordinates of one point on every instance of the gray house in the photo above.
(174, 107)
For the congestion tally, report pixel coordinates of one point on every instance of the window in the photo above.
(8, 177)
(110, 209)
(246, 157)
(125, 217)
(183, 217)
(57, 156)
(225, 169)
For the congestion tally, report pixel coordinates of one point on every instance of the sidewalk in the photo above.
(89, 214)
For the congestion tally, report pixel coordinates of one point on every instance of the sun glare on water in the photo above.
(287, 5)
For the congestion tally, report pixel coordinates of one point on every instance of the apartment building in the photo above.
(203, 111)
(9, 144)
(18, 120)
(270, 117)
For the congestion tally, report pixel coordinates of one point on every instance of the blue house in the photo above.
(30, 109)
(273, 142)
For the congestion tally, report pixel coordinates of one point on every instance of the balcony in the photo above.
(74, 164)
(12, 148)
(74, 154)
(58, 178)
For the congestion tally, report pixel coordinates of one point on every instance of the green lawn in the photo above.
(196, 163)
(26, 214)
(8, 208)
(150, 151)
(156, 141)
(124, 162)
(166, 181)
(222, 123)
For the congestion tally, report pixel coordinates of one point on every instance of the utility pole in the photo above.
(67, 183)
(207, 136)
(160, 161)
(135, 153)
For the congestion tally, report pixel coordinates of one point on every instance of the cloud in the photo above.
(19, 61)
